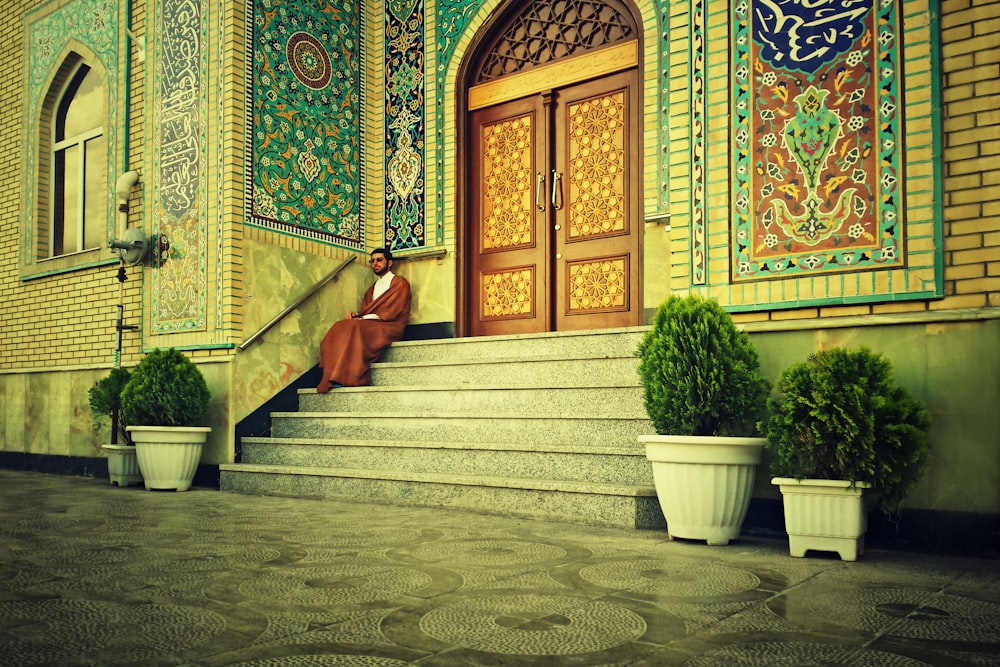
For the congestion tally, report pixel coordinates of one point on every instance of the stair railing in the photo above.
(298, 302)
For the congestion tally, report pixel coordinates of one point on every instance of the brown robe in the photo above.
(350, 346)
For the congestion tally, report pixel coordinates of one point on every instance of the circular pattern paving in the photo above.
(41, 526)
(88, 554)
(534, 625)
(489, 552)
(662, 577)
(951, 617)
(798, 653)
(74, 627)
(327, 661)
(899, 612)
(343, 534)
(309, 60)
(345, 584)
(201, 557)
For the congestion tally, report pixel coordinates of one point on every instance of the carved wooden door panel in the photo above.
(554, 194)
(596, 219)
(509, 263)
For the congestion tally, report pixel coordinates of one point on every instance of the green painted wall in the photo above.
(952, 367)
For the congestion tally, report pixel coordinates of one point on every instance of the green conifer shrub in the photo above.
(105, 399)
(840, 415)
(166, 389)
(700, 374)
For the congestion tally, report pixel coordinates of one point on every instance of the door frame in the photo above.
(591, 64)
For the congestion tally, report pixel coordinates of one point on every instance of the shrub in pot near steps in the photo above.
(164, 400)
(845, 437)
(705, 395)
(106, 401)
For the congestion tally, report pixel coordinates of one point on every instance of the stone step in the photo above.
(563, 500)
(541, 425)
(570, 429)
(622, 465)
(511, 372)
(480, 401)
(599, 344)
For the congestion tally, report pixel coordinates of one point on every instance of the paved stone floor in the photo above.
(92, 574)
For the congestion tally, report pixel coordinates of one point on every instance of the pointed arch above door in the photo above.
(551, 171)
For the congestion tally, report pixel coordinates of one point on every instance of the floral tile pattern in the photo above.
(304, 120)
(818, 138)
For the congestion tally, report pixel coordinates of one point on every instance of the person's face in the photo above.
(380, 264)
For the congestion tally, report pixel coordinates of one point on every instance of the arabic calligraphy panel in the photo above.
(179, 287)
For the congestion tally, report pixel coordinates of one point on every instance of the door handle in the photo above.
(557, 200)
(540, 192)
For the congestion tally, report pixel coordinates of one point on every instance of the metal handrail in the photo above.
(298, 302)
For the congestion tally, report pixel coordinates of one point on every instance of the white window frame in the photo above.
(80, 139)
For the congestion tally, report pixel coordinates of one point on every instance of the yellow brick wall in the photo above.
(67, 321)
(970, 67)
(64, 320)
(232, 59)
(969, 178)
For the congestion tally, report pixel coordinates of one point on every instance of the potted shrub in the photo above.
(106, 401)
(705, 396)
(164, 400)
(839, 424)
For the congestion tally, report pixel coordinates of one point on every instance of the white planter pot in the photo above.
(168, 456)
(123, 465)
(824, 515)
(703, 483)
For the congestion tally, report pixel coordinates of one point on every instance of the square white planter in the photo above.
(123, 465)
(824, 515)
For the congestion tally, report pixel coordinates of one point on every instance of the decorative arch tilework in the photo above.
(304, 120)
(49, 30)
(456, 22)
(404, 125)
(453, 15)
(451, 19)
(817, 145)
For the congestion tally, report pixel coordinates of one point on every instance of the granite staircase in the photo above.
(541, 426)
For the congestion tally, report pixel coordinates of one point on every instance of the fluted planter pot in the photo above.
(703, 483)
(168, 456)
(123, 465)
(824, 515)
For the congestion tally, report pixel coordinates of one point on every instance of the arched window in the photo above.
(73, 161)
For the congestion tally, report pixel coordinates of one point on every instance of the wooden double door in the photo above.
(554, 210)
